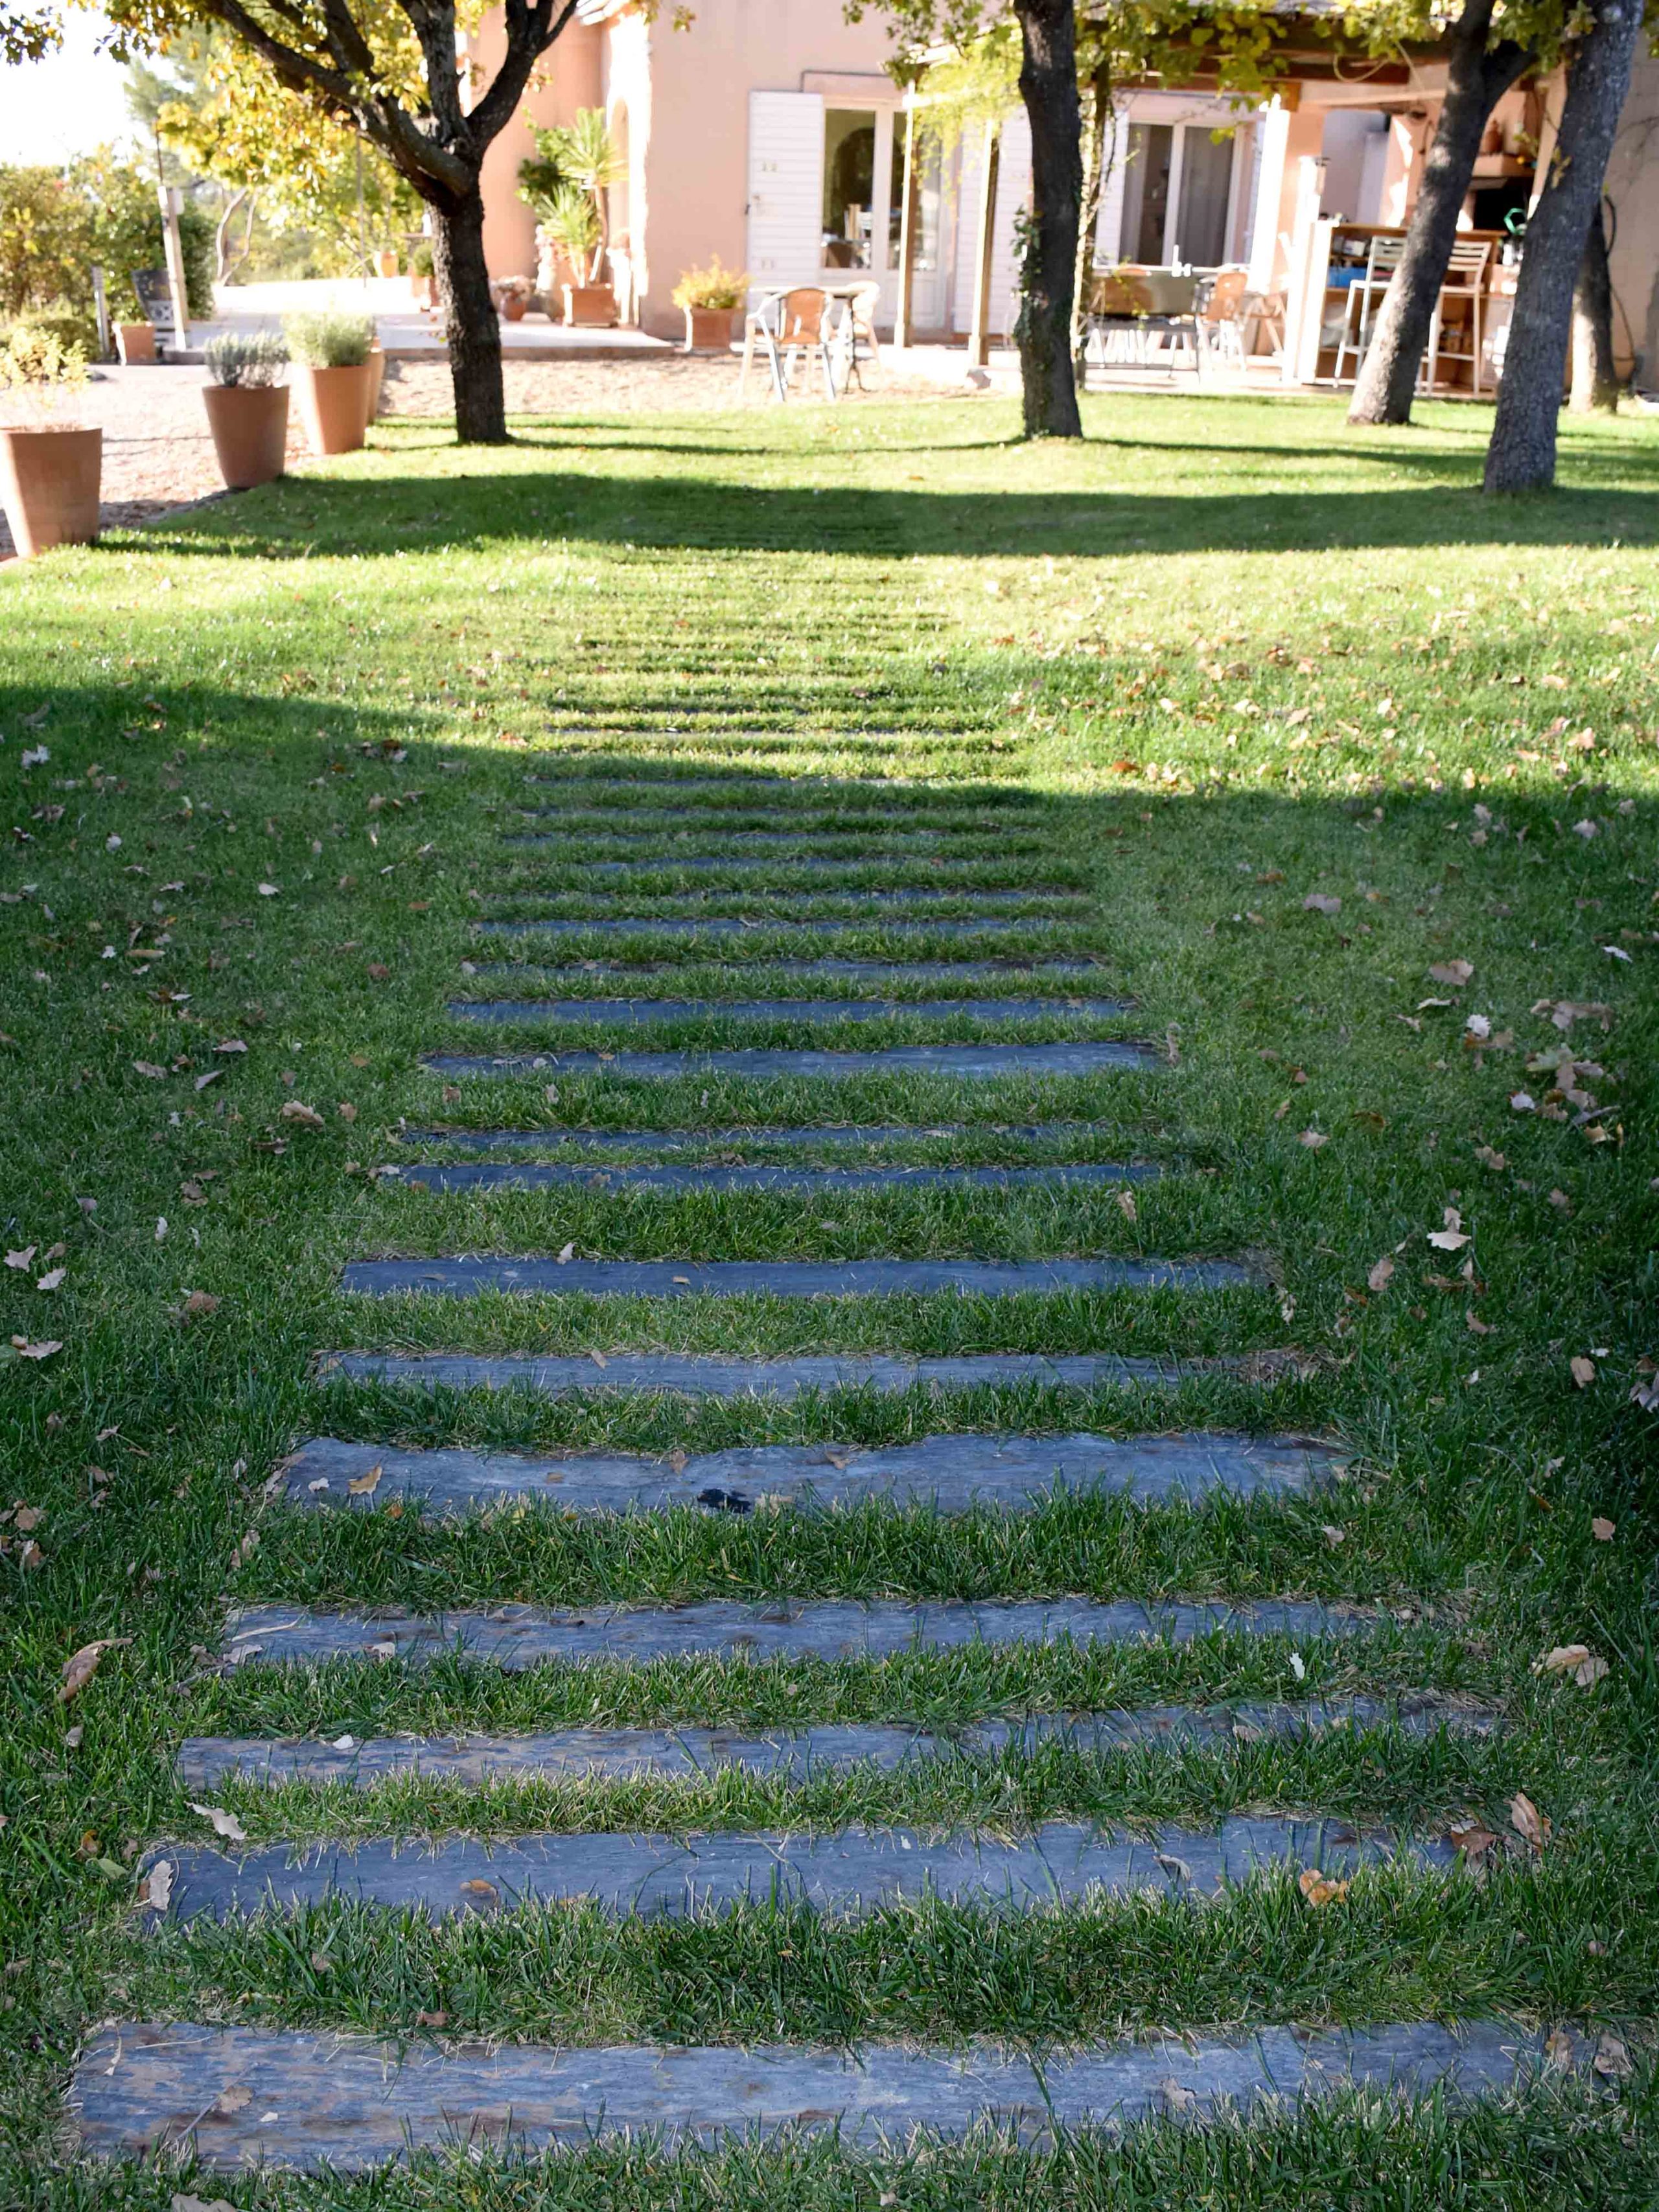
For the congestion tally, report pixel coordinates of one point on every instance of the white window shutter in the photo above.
(1013, 193)
(786, 187)
(1108, 250)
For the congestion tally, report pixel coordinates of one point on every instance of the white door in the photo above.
(786, 188)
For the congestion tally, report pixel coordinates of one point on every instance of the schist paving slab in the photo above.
(885, 971)
(515, 1637)
(794, 1755)
(527, 1276)
(980, 1062)
(931, 893)
(854, 1869)
(699, 1375)
(345, 2102)
(645, 864)
(953, 1473)
(533, 1175)
(673, 1140)
(772, 925)
(639, 1011)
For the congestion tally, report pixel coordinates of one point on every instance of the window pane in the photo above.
(849, 180)
(1148, 157)
(927, 199)
(1206, 171)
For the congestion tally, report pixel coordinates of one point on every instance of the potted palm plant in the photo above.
(566, 185)
(50, 467)
(422, 281)
(247, 403)
(331, 377)
(710, 297)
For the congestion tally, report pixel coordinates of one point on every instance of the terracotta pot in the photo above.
(135, 341)
(423, 289)
(49, 487)
(708, 329)
(376, 379)
(249, 424)
(590, 306)
(514, 305)
(386, 262)
(333, 406)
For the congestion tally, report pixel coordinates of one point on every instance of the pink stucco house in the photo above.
(770, 132)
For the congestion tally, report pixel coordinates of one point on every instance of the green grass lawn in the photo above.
(1349, 776)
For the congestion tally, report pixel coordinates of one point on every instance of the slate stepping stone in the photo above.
(515, 1637)
(696, 1375)
(645, 1010)
(324, 2098)
(533, 1277)
(896, 792)
(671, 1140)
(1039, 894)
(953, 1473)
(729, 925)
(886, 971)
(975, 1062)
(669, 863)
(850, 1870)
(205, 1762)
(533, 1175)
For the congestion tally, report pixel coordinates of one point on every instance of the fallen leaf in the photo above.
(1320, 1889)
(1455, 972)
(270, 890)
(1559, 2051)
(306, 1117)
(182, 2202)
(1473, 1840)
(224, 1824)
(1313, 1139)
(231, 1044)
(156, 1889)
(1490, 1158)
(433, 2019)
(479, 1888)
(51, 1278)
(1612, 2060)
(22, 1259)
(148, 1067)
(1574, 1659)
(1179, 2099)
(1320, 903)
(198, 1303)
(1454, 1236)
(1126, 1205)
(1527, 1822)
(233, 2099)
(1380, 1274)
(28, 1518)
(364, 1486)
(346, 1111)
(81, 1666)
(1583, 1370)
(565, 1255)
(1602, 1529)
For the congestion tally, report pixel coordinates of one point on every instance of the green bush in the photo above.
(71, 328)
(252, 359)
(55, 226)
(330, 340)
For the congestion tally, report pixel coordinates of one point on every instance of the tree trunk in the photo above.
(471, 326)
(1048, 84)
(1594, 377)
(1098, 130)
(1476, 80)
(1521, 454)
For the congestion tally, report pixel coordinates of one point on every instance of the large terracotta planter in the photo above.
(49, 487)
(423, 290)
(333, 406)
(708, 329)
(249, 424)
(376, 367)
(135, 341)
(387, 262)
(513, 307)
(589, 306)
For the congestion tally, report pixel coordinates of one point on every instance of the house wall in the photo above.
(1632, 186)
(568, 78)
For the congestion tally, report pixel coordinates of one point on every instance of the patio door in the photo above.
(1177, 194)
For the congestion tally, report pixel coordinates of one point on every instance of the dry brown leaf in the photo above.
(224, 1824)
(198, 1303)
(565, 1255)
(182, 2202)
(479, 1888)
(1321, 903)
(1582, 1371)
(1602, 1529)
(81, 1666)
(1473, 1840)
(1454, 972)
(346, 1110)
(231, 1044)
(1313, 1139)
(155, 1891)
(148, 1067)
(432, 2020)
(1527, 1822)
(1576, 1660)
(306, 1117)
(1126, 1205)
(1320, 1889)
(1559, 2051)
(233, 2099)
(364, 1486)
(1380, 1274)
(19, 1259)
(1453, 1236)
(1612, 2060)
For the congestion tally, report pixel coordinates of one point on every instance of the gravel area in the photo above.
(158, 456)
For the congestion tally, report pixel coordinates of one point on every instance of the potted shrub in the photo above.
(422, 280)
(135, 343)
(385, 261)
(331, 374)
(566, 185)
(574, 227)
(49, 466)
(710, 297)
(515, 295)
(247, 403)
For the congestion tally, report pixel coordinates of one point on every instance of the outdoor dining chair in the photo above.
(795, 326)
(1382, 257)
(854, 343)
(1465, 286)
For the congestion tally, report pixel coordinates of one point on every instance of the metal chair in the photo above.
(1382, 257)
(1220, 319)
(855, 340)
(796, 326)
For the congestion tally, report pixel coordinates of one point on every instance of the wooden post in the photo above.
(175, 260)
(908, 226)
(979, 337)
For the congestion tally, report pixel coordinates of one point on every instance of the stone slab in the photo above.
(693, 1375)
(515, 1637)
(965, 1062)
(948, 1473)
(671, 863)
(848, 1870)
(675, 1140)
(326, 2099)
(730, 926)
(542, 1174)
(838, 900)
(885, 971)
(794, 1755)
(637, 1011)
(527, 1276)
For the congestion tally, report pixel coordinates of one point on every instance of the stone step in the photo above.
(877, 835)
(856, 1869)
(672, 1140)
(894, 793)
(948, 1473)
(965, 1062)
(886, 971)
(582, 862)
(704, 1375)
(771, 925)
(530, 1275)
(794, 1755)
(532, 1174)
(768, 903)
(311, 2099)
(515, 1637)
(637, 1011)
